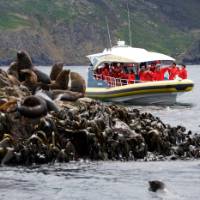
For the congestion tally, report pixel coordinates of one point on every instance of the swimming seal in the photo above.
(156, 185)
(33, 107)
(55, 70)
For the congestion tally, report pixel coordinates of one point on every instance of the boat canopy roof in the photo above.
(126, 54)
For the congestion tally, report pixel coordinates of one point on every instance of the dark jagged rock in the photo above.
(80, 131)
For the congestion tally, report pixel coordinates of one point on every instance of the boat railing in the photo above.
(112, 81)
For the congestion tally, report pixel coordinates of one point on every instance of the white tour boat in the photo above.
(116, 89)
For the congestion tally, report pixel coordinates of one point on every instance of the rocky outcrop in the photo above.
(88, 129)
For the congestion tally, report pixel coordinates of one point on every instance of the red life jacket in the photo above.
(158, 76)
(142, 76)
(173, 72)
(105, 72)
(124, 75)
(131, 78)
(148, 76)
(183, 73)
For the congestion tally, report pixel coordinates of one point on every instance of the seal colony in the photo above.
(47, 119)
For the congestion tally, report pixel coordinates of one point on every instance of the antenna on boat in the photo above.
(108, 29)
(129, 25)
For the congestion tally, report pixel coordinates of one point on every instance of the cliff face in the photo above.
(68, 30)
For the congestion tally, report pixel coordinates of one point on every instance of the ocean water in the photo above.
(85, 180)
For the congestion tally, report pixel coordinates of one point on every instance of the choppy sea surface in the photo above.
(85, 180)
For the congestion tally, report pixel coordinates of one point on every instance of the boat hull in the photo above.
(160, 92)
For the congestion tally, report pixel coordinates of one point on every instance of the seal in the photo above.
(42, 77)
(30, 79)
(48, 98)
(156, 185)
(61, 81)
(76, 82)
(66, 95)
(33, 107)
(67, 80)
(55, 70)
(24, 61)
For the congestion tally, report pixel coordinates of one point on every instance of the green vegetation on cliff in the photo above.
(67, 30)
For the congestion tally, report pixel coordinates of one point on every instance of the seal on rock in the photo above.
(24, 61)
(66, 95)
(33, 107)
(61, 81)
(42, 77)
(67, 80)
(76, 83)
(55, 70)
(30, 79)
(48, 98)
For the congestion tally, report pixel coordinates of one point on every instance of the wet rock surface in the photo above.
(89, 129)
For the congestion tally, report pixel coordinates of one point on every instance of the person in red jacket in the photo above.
(173, 71)
(142, 74)
(105, 72)
(131, 77)
(157, 74)
(183, 72)
(148, 74)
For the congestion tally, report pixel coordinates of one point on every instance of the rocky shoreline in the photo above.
(88, 129)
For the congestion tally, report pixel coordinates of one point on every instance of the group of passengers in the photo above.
(158, 73)
(142, 73)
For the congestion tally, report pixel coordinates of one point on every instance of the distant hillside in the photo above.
(68, 30)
